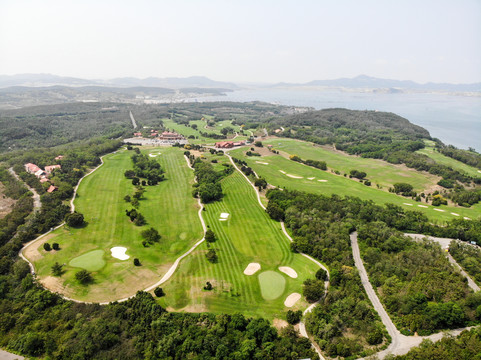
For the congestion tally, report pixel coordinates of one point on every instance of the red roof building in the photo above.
(224, 144)
(167, 135)
(138, 134)
(50, 168)
(51, 189)
(31, 168)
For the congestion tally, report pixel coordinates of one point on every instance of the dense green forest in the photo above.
(469, 257)
(415, 281)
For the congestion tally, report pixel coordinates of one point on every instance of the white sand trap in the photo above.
(311, 178)
(282, 171)
(408, 204)
(252, 268)
(454, 214)
(224, 215)
(322, 180)
(423, 206)
(466, 218)
(294, 176)
(261, 162)
(154, 155)
(292, 299)
(440, 210)
(288, 271)
(118, 252)
(479, 171)
(222, 219)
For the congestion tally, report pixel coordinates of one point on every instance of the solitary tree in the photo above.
(136, 262)
(127, 198)
(57, 269)
(74, 219)
(47, 247)
(211, 256)
(84, 277)
(293, 317)
(159, 292)
(210, 236)
(150, 235)
(208, 286)
(55, 246)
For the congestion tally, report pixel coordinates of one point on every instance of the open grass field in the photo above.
(248, 235)
(445, 160)
(296, 177)
(378, 171)
(168, 207)
(188, 131)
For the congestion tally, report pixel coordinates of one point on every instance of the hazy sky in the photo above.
(258, 41)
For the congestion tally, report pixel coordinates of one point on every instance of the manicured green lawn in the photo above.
(91, 261)
(272, 284)
(445, 160)
(249, 235)
(336, 184)
(378, 171)
(168, 207)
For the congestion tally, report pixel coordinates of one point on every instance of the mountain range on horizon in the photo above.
(359, 82)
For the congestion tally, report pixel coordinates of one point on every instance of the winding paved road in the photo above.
(37, 204)
(400, 343)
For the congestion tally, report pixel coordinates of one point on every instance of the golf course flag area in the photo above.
(109, 242)
(250, 247)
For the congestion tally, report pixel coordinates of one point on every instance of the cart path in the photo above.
(400, 343)
(166, 276)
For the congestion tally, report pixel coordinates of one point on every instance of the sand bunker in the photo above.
(294, 176)
(224, 216)
(466, 218)
(322, 180)
(252, 268)
(479, 171)
(288, 271)
(423, 206)
(118, 252)
(154, 155)
(261, 162)
(454, 214)
(311, 178)
(440, 210)
(408, 204)
(282, 171)
(292, 299)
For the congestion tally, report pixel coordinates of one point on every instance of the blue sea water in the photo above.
(453, 119)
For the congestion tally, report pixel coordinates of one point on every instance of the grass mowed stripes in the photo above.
(168, 207)
(335, 184)
(378, 171)
(248, 235)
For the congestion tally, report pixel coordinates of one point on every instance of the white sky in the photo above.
(230, 40)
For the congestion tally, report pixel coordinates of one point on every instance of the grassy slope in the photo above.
(445, 160)
(378, 171)
(339, 185)
(168, 207)
(248, 236)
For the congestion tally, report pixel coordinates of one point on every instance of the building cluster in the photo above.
(229, 144)
(166, 135)
(43, 175)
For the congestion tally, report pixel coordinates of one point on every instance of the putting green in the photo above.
(91, 261)
(272, 284)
